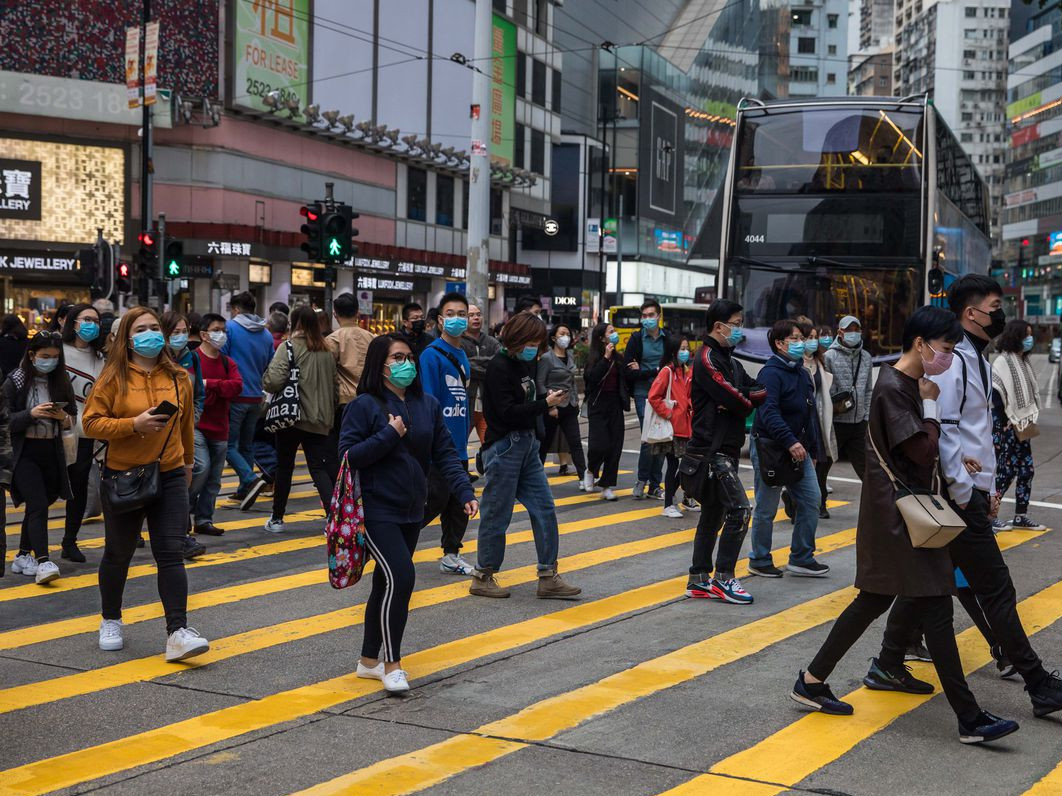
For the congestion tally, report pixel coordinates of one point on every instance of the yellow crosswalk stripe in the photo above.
(1050, 785)
(424, 768)
(152, 745)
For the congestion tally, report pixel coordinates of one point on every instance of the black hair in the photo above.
(279, 306)
(345, 306)
(553, 331)
(597, 345)
(651, 302)
(780, 330)
(244, 302)
(372, 378)
(527, 302)
(12, 326)
(721, 311)
(931, 323)
(671, 351)
(449, 298)
(1013, 337)
(410, 307)
(59, 388)
(971, 289)
(70, 334)
(208, 318)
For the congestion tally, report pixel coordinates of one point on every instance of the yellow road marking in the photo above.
(152, 745)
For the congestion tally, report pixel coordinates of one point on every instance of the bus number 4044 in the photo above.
(754, 239)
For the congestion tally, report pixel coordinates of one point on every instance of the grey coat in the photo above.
(853, 370)
(555, 373)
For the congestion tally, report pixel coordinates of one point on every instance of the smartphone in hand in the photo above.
(165, 408)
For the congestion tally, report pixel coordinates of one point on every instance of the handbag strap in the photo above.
(934, 484)
(106, 445)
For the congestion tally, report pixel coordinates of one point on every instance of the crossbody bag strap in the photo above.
(176, 418)
(934, 484)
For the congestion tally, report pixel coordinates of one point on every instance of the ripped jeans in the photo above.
(724, 505)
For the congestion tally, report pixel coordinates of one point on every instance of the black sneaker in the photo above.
(1023, 522)
(811, 569)
(208, 529)
(253, 491)
(1005, 668)
(824, 514)
(986, 728)
(1046, 697)
(140, 541)
(71, 552)
(562, 470)
(765, 571)
(878, 679)
(819, 697)
(192, 548)
(918, 652)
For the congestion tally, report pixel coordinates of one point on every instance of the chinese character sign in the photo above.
(271, 51)
(151, 61)
(502, 90)
(20, 189)
(132, 66)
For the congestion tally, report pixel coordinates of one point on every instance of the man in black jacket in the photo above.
(723, 397)
(413, 325)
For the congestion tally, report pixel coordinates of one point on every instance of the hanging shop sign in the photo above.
(20, 189)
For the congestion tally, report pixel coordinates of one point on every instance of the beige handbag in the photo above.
(930, 520)
(1031, 431)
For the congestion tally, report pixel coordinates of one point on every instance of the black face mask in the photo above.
(999, 322)
(417, 327)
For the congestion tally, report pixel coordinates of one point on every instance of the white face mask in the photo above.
(564, 341)
(218, 339)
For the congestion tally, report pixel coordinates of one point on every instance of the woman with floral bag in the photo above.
(391, 434)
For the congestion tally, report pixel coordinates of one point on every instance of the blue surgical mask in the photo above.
(825, 341)
(852, 339)
(455, 327)
(683, 357)
(1027, 343)
(650, 323)
(796, 350)
(148, 343)
(45, 364)
(401, 374)
(178, 342)
(811, 346)
(529, 352)
(613, 338)
(735, 335)
(88, 330)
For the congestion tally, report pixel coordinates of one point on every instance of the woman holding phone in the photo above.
(142, 406)
(607, 398)
(41, 403)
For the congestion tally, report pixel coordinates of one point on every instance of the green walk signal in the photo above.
(173, 261)
(173, 268)
(335, 248)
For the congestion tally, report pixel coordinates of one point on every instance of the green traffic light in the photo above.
(334, 248)
(174, 268)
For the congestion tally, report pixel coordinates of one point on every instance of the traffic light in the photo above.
(86, 265)
(148, 255)
(338, 232)
(174, 260)
(123, 278)
(312, 230)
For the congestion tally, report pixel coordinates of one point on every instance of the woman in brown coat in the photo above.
(904, 427)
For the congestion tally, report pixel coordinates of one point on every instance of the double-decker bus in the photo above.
(864, 206)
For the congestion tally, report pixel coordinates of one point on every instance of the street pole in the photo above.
(619, 252)
(162, 275)
(478, 251)
(330, 269)
(145, 140)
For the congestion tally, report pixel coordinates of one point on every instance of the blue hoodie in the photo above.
(251, 347)
(393, 469)
(446, 384)
(788, 414)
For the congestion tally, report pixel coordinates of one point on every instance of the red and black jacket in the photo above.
(723, 397)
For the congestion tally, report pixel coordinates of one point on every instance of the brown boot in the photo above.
(484, 584)
(551, 586)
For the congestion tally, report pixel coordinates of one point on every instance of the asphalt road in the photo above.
(633, 689)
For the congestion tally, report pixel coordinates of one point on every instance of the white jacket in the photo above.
(966, 423)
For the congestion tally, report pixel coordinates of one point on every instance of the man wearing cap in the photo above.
(853, 384)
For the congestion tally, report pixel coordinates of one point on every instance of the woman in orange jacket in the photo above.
(142, 405)
(677, 377)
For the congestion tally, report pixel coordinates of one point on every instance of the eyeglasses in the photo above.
(402, 358)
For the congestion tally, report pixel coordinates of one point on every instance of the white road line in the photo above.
(1050, 402)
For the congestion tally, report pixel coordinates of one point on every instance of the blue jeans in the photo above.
(805, 494)
(650, 467)
(514, 472)
(242, 419)
(206, 476)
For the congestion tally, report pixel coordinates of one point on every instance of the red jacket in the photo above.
(681, 416)
(222, 380)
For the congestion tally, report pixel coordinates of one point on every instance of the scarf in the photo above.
(1013, 377)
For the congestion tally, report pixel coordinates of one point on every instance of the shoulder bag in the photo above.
(777, 465)
(282, 411)
(844, 401)
(657, 428)
(930, 520)
(345, 530)
(125, 491)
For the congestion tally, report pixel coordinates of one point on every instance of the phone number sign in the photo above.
(271, 51)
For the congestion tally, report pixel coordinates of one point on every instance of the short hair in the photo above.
(409, 308)
(527, 302)
(208, 318)
(651, 302)
(279, 306)
(931, 323)
(780, 330)
(552, 336)
(278, 323)
(345, 306)
(521, 330)
(804, 324)
(1013, 337)
(449, 298)
(244, 302)
(971, 289)
(721, 311)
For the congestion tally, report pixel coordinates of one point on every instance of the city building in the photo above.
(870, 72)
(818, 49)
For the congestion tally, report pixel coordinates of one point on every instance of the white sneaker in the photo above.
(274, 526)
(47, 571)
(371, 673)
(395, 682)
(24, 564)
(587, 484)
(608, 494)
(453, 564)
(185, 643)
(672, 511)
(111, 638)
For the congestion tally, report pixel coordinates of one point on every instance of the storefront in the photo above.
(34, 283)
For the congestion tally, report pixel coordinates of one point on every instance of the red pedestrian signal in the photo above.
(123, 278)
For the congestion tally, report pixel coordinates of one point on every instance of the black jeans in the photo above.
(977, 554)
(567, 423)
(444, 504)
(167, 521)
(605, 443)
(321, 459)
(935, 614)
(726, 505)
(387, 608)
(852, 443)
(37, 478)
(822, 469)
(671, 479)
(79, 473)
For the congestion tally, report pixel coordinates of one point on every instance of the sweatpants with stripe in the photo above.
(391, 545)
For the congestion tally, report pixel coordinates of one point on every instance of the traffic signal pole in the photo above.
(330, 204)
(145, 140)
(478, 251)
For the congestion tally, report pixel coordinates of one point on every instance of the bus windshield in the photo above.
(823, 150)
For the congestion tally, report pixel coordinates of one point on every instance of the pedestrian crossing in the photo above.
(597, 539)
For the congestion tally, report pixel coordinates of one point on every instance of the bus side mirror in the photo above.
(936, 282)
